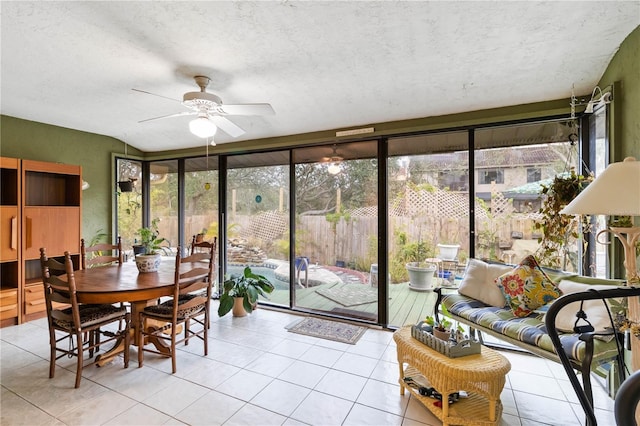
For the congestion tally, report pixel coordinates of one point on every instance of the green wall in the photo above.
(37, 141)
(625, 69)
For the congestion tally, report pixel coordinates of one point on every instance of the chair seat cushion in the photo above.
(90, 315)
(165, 309)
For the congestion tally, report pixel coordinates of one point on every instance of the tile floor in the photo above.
(257, 373)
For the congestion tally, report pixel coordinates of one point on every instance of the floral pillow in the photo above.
(527, 288)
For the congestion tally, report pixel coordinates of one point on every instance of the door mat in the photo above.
(330, 330)
(350, 294)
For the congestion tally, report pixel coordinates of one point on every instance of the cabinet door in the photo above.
(9, 233)
(55, 228)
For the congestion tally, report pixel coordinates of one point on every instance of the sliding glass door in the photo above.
(336, 230)
(428, 223)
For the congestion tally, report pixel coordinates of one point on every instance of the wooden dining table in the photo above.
(124, 283)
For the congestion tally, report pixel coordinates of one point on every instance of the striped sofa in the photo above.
(587, 351)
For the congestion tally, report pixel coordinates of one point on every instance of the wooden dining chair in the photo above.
(192, 291)
(80, 324)
(101, 254)
(201, 246)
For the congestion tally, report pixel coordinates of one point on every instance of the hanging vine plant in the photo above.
(559, 231)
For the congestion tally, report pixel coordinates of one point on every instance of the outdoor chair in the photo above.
(192, 290)
(80, 324)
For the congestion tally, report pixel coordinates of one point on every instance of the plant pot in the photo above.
(238, 308)
(448, 251)
(442, 335)
(125, 186)
(148, 262)
(199, 238)
(420, 277)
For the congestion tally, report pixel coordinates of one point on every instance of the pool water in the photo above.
(268, 273)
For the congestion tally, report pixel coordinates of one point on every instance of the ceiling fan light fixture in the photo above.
(203, 127)
(334, 168)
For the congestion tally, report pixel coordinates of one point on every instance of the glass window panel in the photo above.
(201, 198)
(164, 200)
(257, 218)
(428, 193)
(508, 203)
(128, 201)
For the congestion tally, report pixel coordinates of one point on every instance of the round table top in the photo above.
(124, 283)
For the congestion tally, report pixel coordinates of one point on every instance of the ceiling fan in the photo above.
(335, 160)
(211, 111)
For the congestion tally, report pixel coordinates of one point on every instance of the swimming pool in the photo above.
(268, 273)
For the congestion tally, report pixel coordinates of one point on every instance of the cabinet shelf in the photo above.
(51, 189)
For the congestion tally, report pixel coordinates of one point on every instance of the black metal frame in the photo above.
(584, 395)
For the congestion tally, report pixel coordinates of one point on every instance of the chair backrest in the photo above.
(193, 274)
(202, 245)
(57, 289)
(102, 254)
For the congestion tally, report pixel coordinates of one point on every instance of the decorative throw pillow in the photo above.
(527, 287)
(479, 282)
(596, 310)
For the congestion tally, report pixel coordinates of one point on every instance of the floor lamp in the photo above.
(616, 192)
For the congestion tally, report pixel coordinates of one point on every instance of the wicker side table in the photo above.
(481, 375)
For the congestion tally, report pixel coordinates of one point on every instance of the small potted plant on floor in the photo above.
(149, 260)
(240, 293)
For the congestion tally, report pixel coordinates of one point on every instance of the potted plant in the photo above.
(149, 259)
(442, 328)
(240, 293)
(419, 270)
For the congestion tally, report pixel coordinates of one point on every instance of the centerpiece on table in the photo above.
(150, 245)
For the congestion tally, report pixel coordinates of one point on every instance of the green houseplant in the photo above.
(560, 231)
(240, 292)
(442, 328)
(148, 259)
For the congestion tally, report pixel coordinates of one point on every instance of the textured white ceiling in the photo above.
(321, 65)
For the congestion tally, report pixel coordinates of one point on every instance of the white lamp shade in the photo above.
(615, 192)
(202, 127)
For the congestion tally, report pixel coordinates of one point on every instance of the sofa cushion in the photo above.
(527, 287)
(596, 310)
(479, 282)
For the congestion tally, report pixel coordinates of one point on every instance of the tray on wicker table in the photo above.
(450, 349)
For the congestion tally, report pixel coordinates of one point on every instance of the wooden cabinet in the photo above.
(38, 223)
(40, 207)
(10, 240)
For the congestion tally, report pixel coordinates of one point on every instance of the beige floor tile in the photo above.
(322, 409)
(366, 416)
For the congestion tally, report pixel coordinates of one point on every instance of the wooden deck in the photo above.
(406, 306)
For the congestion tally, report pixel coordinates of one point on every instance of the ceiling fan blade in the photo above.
(245, 109)
(160, 96)
(226, 125)
(179, 114)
